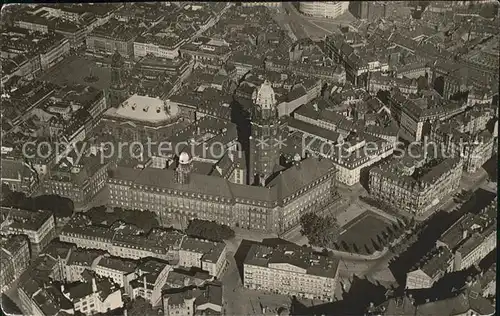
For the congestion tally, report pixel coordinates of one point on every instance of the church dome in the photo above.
(264, 97)
(184, 158)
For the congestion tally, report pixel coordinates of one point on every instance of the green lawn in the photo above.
(363, 230)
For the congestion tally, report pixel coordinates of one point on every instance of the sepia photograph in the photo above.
(323, 158)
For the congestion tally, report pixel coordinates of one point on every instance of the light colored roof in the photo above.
(146, 109)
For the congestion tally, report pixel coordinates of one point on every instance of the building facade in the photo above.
(97, 295)
(18, 176)
(54, 54)
(429, 270)
(266, 4)
(290, 270)
(192, 300)
(38, 226)
(324, 9)
(15, 258)
(80, 181)
(276, 207)
(397, 183)
(471, 238)
(158, 244)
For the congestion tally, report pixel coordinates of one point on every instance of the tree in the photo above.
(390, 230)
(6, 191)
(396, 227)
(321, 231)
(210, 230)
(385, 236)
(61, 207)
(368, 249)
(375, 245)
(15, 199)
(345, 246)
(140, 307)
(355, 248)
(307, 222)
(379, 239)
(145, 220)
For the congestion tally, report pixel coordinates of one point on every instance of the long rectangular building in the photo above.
(471, 238)
(15, 257)
(181, 195)
(291, 270)
(170, 246)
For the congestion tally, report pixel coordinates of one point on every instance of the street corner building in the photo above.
(415, 185)
(291, 270)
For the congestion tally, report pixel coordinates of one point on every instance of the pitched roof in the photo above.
(436, 261)
(211, 250)
(469, 299)
(119, 264)
(403, 306)
(199, 183)
(305, 258)
(283, 185)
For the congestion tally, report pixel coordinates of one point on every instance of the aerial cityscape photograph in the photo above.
(249, 158)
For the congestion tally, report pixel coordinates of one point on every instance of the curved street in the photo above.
(313, 27)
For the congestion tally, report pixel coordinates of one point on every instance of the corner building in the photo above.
(291, 270)
(415, 186)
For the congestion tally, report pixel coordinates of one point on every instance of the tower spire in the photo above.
(118, 90)
(264, 149)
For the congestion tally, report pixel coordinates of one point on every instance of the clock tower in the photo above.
(265, 134)
(118, 91)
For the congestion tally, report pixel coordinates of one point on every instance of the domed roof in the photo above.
(184, 158)
(264, 96)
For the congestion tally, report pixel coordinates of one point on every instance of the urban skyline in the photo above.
(249, 158)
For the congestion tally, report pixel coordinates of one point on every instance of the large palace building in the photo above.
(141, 117)
(182, 194)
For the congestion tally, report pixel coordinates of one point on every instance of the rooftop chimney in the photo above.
(262, 180)
(94, 285)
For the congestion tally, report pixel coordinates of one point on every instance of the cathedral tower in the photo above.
(118, 90)
(265, 134)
